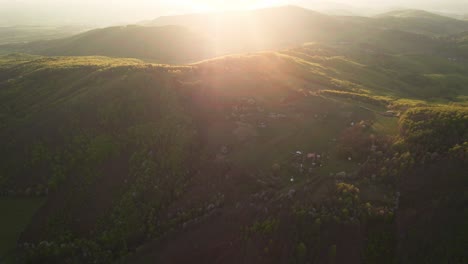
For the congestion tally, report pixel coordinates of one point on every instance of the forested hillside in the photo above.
(197, 145)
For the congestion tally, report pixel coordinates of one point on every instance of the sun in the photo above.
(228, 5)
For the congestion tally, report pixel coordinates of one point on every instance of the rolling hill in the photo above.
(421, 22)
(134, 160)
(169, 44)
(413, 13)
(21, 34)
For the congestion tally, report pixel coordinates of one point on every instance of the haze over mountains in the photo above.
(106, 13)
(188, 38)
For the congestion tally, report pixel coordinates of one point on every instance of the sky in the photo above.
(106, 12)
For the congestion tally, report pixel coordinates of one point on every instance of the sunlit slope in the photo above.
(399, 31)
(119, 146)
(311, 68)
(113, 144)
(263, 29)
(40, 92)
(313, 24)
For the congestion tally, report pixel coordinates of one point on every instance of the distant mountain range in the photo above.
(27, 33)
(188, 38)
(169, 44)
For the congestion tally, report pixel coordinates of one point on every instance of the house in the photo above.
(391, 114)
(341, 174)
(224, 150)
(346, 114)
(276, 167)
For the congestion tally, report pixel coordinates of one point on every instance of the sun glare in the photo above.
(223, 5)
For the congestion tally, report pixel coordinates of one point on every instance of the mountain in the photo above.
(169, 44)
(293, 25)
(295, 18)
(21, 34)
(263, 29)
(189, 38)
(459, 16)
(288, 27)
(412, 13)
(422, 22)
(183, 39)
(276, 15)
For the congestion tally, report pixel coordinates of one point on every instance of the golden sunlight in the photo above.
(223, 5)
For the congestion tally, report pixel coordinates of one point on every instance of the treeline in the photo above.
(434, 129)
(374, 100)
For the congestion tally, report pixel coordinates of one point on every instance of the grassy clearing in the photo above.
(386, 125)
(313, 125)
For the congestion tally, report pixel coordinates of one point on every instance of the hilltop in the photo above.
(275, 15)
(414, 13)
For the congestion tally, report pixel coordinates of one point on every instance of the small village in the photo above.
(254, 122)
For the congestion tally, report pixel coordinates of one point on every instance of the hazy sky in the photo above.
(99, 12)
